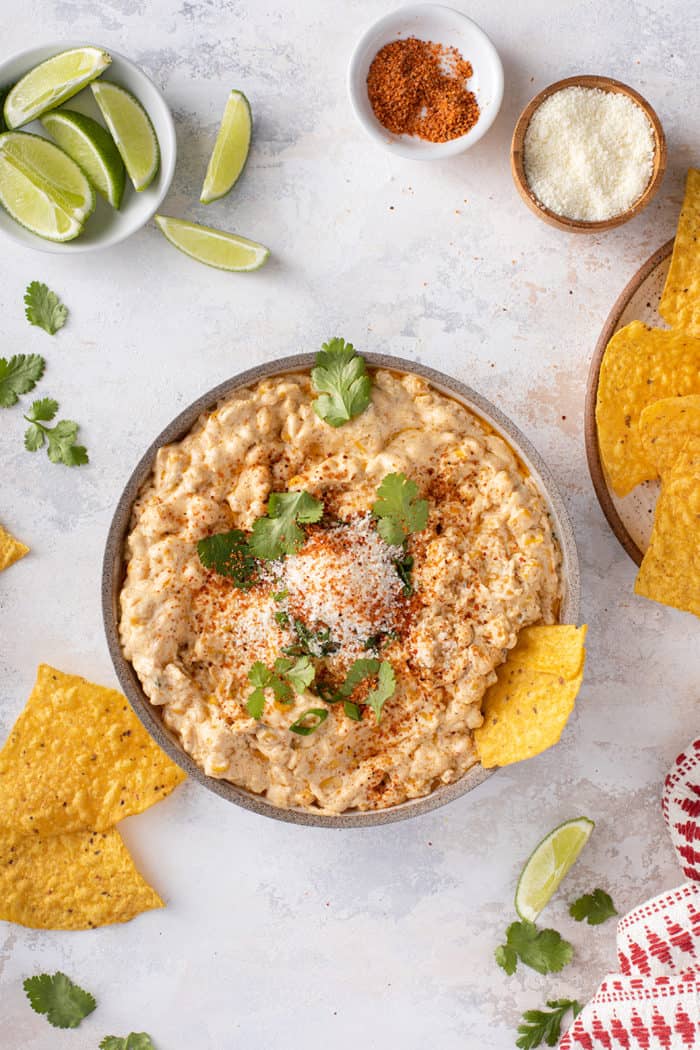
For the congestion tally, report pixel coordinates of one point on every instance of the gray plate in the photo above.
(113, 575)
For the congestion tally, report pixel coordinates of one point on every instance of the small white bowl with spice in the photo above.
(588, 154)
(425, 82)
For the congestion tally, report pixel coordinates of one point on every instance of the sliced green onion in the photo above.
(299, 726)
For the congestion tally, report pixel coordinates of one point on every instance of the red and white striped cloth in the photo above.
(653, 1003)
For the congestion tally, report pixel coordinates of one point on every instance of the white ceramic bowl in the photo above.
(105, 226)
(445, 26)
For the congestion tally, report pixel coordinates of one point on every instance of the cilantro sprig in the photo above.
(228, 554)
(538, 1026)
(359, 671)
(287, 676)
(60, 439)
(341, 379)
(133, 1041)
(278, 533)
(594, 907)
(398, 510)
(43, 308)
(19, 375)
(543, 950)
(63, 1003)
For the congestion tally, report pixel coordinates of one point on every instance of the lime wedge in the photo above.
(230, 150)
(92, 148)
(42, 188)
(225, 251)
(132, 132)
(52, 82)
(548, 864)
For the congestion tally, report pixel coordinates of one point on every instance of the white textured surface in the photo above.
(277, 937)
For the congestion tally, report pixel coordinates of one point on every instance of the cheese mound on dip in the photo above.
(485, 566)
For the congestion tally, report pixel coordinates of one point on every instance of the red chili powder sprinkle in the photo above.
(417, 87)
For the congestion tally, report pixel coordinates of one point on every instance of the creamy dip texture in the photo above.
(485, 566)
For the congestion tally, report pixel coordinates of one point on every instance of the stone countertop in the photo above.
(274, 936)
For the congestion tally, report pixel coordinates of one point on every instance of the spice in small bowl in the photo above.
(417, 87)
(588, 153)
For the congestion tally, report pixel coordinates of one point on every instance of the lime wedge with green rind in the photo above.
(52, 82)
(548, 864)
(92, 148)
(42, 188)
(225, 251)
(230, 149)
(33, 207)
(132, 131)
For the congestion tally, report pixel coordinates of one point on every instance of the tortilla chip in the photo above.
(640, 365)
(556, 649)
(11, 550)
(78, 758)
(526, 710)
(680, 301)
(665, 427)
(670, 571)
(71, 882)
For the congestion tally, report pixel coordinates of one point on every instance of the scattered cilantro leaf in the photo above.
(64, 1003)
(543, 950)
(19, 375)
(385, 689)
(302, 726)
(287, 676)
(359, 670)
(43, 308)
(352, 710)
(278, 533)
(228, 554)
(60, 440)
(310, 643)
(539, 1026)
(134, 1041)
(341, 379)
(398, 509)
(594, 907)
(404, 567)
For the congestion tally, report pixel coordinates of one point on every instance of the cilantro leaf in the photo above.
(594, 907)
(278, 534)
(64, 1003)
(543, 950)
(341, 379)
(545, 1025)
(61, 438)
(302, 727)
(404, 567)
(43, 308)
(385, 689)
(134, 1041)
(228, 554)
(18, 376)
(309, 643)
(398, 509)
(286, 677)
(352, 710)
(359, 670)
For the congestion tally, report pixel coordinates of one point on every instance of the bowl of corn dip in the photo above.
(588, 153)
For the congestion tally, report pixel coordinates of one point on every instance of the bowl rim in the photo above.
(168, 155)
(517, 163)
(113, 574)
(401, 145)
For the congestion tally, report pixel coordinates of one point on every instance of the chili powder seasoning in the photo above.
(417, 87)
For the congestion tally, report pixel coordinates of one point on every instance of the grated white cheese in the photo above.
(588, 154)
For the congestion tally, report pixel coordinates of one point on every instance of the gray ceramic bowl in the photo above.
(113, 575)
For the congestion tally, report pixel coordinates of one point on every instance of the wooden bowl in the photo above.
(517, 165)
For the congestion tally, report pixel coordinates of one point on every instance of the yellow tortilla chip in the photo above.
(666, 426)
(680, 301)
(555, 649)
(670, 571)
(71, 882)
(78, 758)
(11, 550)
(640, 365)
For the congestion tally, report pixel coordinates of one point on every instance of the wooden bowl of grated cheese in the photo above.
(588, 154)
